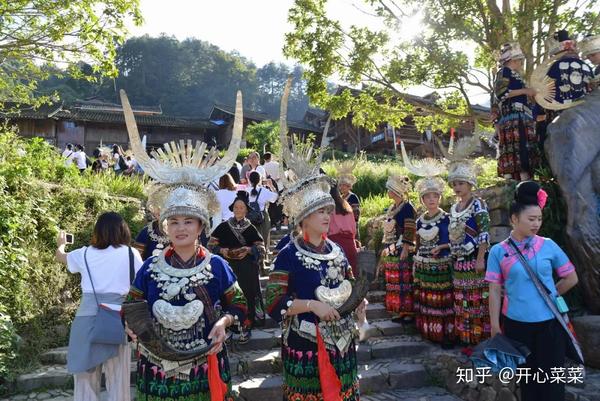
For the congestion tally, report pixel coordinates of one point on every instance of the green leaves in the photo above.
(264, 136)
(34, 33)
(453, 52)
(39, 196)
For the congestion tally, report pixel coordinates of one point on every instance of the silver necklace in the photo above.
(335, 262)
(175, 282)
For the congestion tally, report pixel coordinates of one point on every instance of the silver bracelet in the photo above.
(308, 304)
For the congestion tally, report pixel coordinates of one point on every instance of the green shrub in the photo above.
(39, 196)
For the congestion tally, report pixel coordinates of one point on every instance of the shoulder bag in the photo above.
(108, 327)
(573, 349)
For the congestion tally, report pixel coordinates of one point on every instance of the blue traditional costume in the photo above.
(433, 289)
(398, 231)
(434, 298)
(319, 357)
(468, 231)
(184, 298)
(518, 143)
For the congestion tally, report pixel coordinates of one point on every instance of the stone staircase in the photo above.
(391, 362)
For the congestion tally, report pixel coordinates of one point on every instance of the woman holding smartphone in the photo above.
(104, 266)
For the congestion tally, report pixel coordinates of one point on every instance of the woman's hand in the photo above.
(435, 251)
(218, 335)
(224, 252)
(361, 312)
(130, 333)
(404, 254)
(496, 329)
(530, 92)
(61, 238)
(480, 265)
(324, 311)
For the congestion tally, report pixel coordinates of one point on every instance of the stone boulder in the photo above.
(573, 152)
(588, 334)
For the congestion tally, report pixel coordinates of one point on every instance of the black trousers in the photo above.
(547, 342)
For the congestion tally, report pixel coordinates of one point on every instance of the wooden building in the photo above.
(90, 123)
(346, 137)
(222, 116)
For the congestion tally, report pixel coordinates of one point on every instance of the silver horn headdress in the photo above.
(181, 173)
(182, 170)
(306, 190)
(460, 168)
(429, 169)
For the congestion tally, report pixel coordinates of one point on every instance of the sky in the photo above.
(254, 28)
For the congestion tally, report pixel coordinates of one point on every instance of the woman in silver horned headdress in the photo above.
(311, 278)
(191, 296)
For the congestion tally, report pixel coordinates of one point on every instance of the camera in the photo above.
(69, 238)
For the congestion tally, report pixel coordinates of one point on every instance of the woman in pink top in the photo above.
(342, 228)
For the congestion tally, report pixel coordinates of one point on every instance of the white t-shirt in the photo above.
(265, 196)
(226, 198)
(272, 169)
(68, 155)
(80, 160)
(109, 268)
(260, 170)
(116, 166)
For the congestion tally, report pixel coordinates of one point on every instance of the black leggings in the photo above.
(547, 342)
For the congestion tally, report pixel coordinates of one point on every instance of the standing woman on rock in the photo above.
(311, 278)
(518, 143)
(184, 299)
(526, 316)
(240, 243)
(398, 240)
(469, 241)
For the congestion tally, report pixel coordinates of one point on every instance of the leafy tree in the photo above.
(36, 34)
(271, 79)
(264, 136)
(383, 63)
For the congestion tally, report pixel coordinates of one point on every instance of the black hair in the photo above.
(110, 229)
(234, 173)
(69, 146)
(254, 180)
(97, 153)
(526, 194)
(115, 149)
(267, 156)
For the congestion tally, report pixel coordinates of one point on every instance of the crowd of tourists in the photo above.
(195, 267)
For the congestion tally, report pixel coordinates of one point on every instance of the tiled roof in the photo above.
(76, 113)
(256, 116)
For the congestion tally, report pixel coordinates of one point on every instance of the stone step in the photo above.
(245, 361)
(420, 394)
(376, 310)
(382, 375)
(376, 296)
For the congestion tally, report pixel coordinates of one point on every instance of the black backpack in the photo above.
(254, 214)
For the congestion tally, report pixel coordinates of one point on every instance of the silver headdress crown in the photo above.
(460, 168)
(510, 51)
(345, 170)
(306, 190)
(589, 45)
(428, 168)
(182, 171)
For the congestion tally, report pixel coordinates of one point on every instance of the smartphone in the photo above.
(69, 238)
